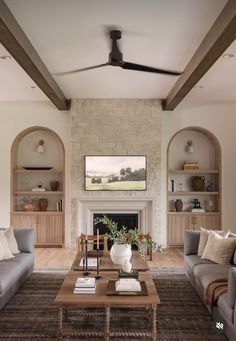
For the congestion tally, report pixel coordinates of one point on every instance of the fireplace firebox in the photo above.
(129, 220)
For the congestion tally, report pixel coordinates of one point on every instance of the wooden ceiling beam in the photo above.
(219, 37)
(13, 38)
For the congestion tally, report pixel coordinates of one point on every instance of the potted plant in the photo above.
(123, 238)
(28, 203)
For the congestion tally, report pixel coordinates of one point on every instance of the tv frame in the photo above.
(96, 187)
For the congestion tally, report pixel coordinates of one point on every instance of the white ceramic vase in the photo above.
(120, 253)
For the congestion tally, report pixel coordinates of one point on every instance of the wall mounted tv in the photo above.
(115, 173)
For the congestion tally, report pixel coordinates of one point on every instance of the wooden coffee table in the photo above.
(67, 300)
(106, 263)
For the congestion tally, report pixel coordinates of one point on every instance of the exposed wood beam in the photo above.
(18, 45)
(219, 37)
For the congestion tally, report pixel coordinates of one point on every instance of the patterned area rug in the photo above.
(31, 315)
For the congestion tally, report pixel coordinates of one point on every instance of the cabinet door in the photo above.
(209, 221)
(50, 230)
(177, 224)
(20, 221)
(23, 221)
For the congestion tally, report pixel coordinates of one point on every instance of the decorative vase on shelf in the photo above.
(43, 204)
(54, 185)
(120, 253)
(178, 205)
(198, 183)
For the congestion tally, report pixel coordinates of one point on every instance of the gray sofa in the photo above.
(201, 272)
(14, 271)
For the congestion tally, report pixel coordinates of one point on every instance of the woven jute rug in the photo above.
(31, 315)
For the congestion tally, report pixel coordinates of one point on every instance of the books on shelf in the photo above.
(59, 205)
(128, 284)
(85, 285)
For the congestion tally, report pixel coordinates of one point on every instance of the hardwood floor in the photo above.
(62, 259)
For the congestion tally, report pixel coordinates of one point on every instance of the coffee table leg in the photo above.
(60, 318)
(107, 323)
(154, 322)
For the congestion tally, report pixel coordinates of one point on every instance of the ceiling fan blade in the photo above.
(138, 67)
(80, 70)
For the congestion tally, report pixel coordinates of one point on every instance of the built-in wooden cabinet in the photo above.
(179, 222)
(49, 226)
(207, 154)
(30, 170)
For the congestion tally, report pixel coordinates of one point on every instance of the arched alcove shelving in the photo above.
(207, 153)
(30, 170)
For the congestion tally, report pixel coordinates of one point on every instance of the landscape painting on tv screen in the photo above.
(115, 173)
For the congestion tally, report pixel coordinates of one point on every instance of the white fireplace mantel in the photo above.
(87, 207)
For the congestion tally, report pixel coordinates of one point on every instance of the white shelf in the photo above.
(38, 212)
(196, 171)
(193, 213)
(192, 193)
(38, 193)
(37, 171)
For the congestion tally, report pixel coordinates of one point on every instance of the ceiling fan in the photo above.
(116, 59)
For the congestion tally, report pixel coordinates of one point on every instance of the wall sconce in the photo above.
(189, 147)
(40, 147)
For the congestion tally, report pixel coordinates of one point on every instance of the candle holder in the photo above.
(98, 276)
(86, 273)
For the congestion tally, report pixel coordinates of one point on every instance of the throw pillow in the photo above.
(204, 233)
(12, 243)
(219, 249)
(5, 251)
(202, 241)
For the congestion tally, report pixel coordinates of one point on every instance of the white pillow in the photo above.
(219, 249)
(12, 243)
(5, 251)
(202, 241)
(204, 233)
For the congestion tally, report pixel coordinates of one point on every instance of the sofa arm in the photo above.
(231, 295)
(191, 241)
(25, 239)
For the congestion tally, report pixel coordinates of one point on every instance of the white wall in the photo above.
(15, 117)
(220, 119)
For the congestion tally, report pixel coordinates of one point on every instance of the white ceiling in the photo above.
(72, 34)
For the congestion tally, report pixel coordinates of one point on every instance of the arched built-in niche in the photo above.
(45, 167)
(207, 152)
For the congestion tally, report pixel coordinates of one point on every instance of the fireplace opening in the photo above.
(129, 220)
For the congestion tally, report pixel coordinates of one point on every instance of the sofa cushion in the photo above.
(202, 241)
(191, 240)
(207, 273)
(233, 235)
(12, 243)
(12, 269)
(192, 260)
(5, 251)
(219, 249)
(25, 239)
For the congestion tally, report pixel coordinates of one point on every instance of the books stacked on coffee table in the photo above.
(85, 285)
(128, 284)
